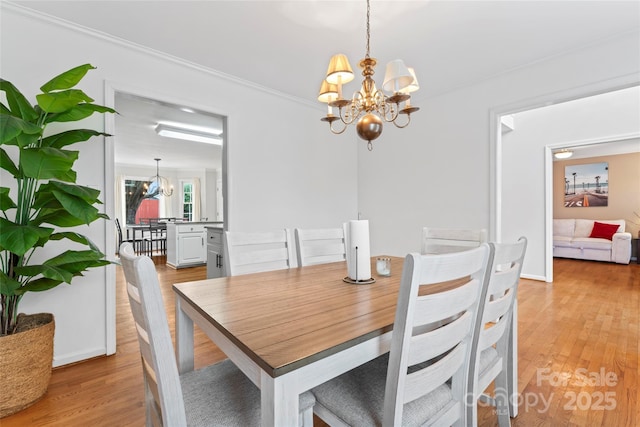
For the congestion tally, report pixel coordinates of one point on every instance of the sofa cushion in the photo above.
(563, 227)
(603, 231)
(591, 243)
(583, 227)
(562, 241)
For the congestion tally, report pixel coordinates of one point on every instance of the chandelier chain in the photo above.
(368, 28)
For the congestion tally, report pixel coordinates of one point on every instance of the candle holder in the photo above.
(383, 266)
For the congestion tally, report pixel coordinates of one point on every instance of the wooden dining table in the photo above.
(289, 330)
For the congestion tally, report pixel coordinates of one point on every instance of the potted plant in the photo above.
(38, 196)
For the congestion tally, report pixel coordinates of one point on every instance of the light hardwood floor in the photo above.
(578, 358)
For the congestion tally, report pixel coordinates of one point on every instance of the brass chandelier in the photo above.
(369, 106)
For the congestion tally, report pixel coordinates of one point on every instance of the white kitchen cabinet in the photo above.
(186, 244)
(215, 251)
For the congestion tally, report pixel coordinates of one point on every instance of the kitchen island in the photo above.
(187, 243)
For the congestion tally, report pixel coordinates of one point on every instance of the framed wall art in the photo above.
(586, 185)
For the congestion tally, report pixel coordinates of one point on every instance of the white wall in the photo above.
(285, 169)
(440, 170)
(607, 116)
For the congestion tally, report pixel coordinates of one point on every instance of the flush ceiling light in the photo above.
(190, 134)
(368, 107)
(563, 154)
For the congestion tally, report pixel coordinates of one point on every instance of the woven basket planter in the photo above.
(25, 362)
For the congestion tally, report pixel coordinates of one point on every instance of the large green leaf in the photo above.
(66, 205)
(5, 200)
(75, 237)
(68, 79)
(57, 102)
(58, 217)
(63, 267)
(38, 285)
(69, 137)
(48, 163)
(25, 140)
(72, 257)
(77, 207)
(49, 271)
(11, 127)
(74, 266)
(79, 112)
(8, 286)
(45, 200)
(7, 164)
(45, 192)
(18, 104)
(19, 239)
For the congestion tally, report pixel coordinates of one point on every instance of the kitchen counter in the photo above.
(216, 225)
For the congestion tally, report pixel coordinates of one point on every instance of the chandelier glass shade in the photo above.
(369, 107)
(158, 185)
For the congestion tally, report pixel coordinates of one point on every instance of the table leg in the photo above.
(279, 401)
(184, 339)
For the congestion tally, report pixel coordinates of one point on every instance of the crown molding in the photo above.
(23, 10)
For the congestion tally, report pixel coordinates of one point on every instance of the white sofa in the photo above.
(571, 240)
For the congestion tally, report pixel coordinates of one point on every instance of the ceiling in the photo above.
(138, 144)
(604, 148)
(286, 45)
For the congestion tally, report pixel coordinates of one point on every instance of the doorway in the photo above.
(522, 175)
(132, 152)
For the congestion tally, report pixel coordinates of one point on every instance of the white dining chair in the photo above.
(216, 395)
(253, 252)
(495, 323)
(319, 246)
(447, 240)
(423, 381)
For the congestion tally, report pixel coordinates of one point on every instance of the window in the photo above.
(187, 200)
(137, 204)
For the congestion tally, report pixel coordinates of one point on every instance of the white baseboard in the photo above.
(65, 359)
(533, 277)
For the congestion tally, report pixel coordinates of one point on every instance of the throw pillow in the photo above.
(604, 231)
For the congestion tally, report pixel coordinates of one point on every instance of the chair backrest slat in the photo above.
(428, 345)
(432, 308)
(253, 252)
(448, 240)
(428, 379)
(319, 246)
